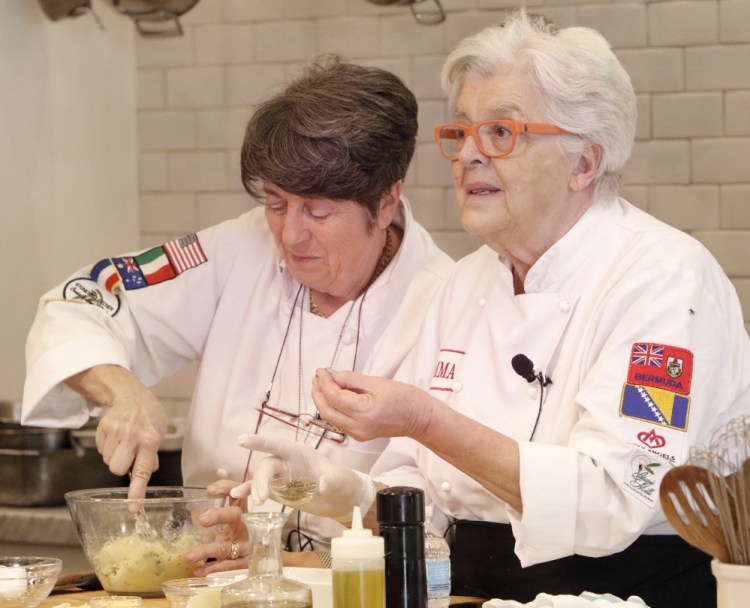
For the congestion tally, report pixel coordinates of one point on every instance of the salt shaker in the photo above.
(401, 520)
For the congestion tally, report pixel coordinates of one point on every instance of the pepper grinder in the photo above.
(401, 520)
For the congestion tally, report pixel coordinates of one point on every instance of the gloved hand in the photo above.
(340, 488)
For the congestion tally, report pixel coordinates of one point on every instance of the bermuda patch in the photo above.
(86, 290)
(661, 366)
(444, 375)
(655, 406)
(151, 267)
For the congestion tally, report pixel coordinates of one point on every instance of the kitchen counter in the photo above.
(44, 531)
(48, 525)
(79, 598)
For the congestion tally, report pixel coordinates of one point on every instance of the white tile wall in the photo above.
(737, 112)
(622, 24)
(734, 15)
(355, 37)
(717, 67)
(224, 44)
(688, 59)
(170, 130)
(688, 115)
(683, 23)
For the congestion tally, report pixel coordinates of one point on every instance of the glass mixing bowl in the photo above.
(134, 545)
(26, 581)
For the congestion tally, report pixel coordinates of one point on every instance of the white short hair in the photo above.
(583, 86)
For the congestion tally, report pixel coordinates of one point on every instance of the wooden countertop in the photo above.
(78, 598)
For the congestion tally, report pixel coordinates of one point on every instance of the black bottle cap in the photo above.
(400, 505)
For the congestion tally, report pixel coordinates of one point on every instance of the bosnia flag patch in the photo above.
(655, 406)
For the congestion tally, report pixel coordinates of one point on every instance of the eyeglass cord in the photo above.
(273, 376)
(297, 532)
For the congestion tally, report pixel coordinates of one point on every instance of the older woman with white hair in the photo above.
(567, 364)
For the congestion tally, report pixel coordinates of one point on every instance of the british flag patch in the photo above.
(661, 366)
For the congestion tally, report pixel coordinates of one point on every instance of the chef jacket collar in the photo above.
(577, 247)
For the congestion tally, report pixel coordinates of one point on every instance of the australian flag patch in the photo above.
(149, 267)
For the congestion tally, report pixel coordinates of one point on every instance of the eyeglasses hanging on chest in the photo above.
(306, 424)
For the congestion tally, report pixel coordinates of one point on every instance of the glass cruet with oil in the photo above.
(265, 586)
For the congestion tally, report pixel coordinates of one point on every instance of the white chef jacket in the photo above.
(231, 313)
(609, 312)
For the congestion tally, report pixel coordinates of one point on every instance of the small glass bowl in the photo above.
(292, 491)
(196, 592)
(229, 576)
(26, 581)
(115, 601)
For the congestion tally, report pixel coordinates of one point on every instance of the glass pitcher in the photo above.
(265, 586)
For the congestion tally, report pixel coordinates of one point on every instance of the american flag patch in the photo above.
(185, 253)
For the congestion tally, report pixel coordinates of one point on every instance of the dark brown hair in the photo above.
(340, 131)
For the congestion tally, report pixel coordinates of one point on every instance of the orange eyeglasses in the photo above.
(494, 138)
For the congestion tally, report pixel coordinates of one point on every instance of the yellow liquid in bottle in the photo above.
(359, 589)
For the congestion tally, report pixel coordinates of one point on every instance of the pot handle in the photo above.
(75, 442)
(157, 25)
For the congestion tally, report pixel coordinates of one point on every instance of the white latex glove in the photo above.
(340, 488)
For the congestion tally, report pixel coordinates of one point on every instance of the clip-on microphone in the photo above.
(523, 366)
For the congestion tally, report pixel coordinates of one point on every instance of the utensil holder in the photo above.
(732, 584)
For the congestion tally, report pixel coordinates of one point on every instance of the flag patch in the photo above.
(155, 266)
(105, 273)
(185, 253)
(656, 406)
(661, 366)
(150, 267)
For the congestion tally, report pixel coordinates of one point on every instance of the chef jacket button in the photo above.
(532, 392)
(457, 387)
(481, 302)
(564, 306)
(446, 486)
(347, 338)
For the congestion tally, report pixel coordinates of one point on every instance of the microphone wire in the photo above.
(542, 384)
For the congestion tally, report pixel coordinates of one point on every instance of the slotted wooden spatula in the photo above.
(688, 486)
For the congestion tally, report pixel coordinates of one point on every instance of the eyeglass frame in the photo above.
(329, 431)
(516, 127)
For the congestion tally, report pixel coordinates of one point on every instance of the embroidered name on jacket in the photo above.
(444, 375)
(151, 267)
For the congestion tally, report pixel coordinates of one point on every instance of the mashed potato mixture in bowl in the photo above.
(136, 545)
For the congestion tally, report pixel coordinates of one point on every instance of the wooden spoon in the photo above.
(688, 485)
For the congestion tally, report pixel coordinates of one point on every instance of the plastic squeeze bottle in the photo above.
(358, 564)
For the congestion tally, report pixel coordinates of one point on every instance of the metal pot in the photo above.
(425, 17)
(14, 436)
(152, 17)
(17, 437)
(10, 412)
(33, 478)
